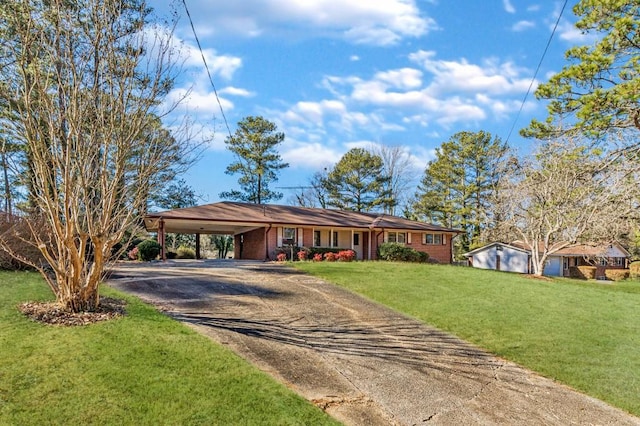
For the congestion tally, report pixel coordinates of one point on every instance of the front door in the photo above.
(357, 244)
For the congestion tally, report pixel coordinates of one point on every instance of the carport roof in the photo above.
(232, 217)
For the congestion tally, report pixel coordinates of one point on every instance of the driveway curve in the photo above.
(361, 362)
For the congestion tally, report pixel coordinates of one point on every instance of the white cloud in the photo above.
(354, 58)
(236, 91)
(219, 65)
(306, 155)
(508, 7)
(461, 76)
(371, 22)
(568, 32)
(523, 26)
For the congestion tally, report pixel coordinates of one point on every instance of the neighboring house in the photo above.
(260, 229)
(516, 257)
(501, 257)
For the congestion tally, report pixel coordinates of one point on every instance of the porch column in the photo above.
(163, 254)
(331, 237)
(370, 237)
(352, 240)
(198, 246)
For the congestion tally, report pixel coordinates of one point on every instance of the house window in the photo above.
(317, 242)
(566, 263)
(397, 237)
(356, 239)
(288, 236)
(335, 239)
(603, 262)
(435, 239)
(619, 261)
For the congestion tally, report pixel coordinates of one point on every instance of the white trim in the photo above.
(279, 242)
(300, 239)
(408, 237)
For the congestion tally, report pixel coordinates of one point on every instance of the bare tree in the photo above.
(397, 164)
(88, 78)
(569, 194)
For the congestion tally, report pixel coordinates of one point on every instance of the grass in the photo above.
(143, 369)
(584, 334)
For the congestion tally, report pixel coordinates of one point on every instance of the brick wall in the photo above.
(252, 246)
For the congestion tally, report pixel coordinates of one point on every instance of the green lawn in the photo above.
(584, 334)
(143, 369)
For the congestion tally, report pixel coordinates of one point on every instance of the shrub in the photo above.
(148, 250)
(616, 274)
(399, 252)
(584, 272)
(634, 269)
(346, 255)
(281, 257)
(323, 250)
(317, 257)
(330, 256)
(185, 252)
(172, 255)
(302, 255)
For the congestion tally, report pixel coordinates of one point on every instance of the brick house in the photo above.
(259, 230)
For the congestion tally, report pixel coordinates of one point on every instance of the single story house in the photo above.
(516, 257)
(260, 229)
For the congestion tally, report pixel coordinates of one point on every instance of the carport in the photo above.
(197, 221)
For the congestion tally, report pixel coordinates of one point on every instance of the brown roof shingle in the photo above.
(236, 212)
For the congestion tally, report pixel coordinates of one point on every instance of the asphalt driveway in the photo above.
(361, 362)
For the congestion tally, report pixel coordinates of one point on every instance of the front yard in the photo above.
(142, 369)
(584, 334)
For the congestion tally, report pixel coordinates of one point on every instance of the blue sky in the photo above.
(334, 75)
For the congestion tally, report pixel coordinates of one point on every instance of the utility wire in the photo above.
(535, 74)
(206, 66)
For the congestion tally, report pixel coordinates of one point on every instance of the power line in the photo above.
(535, 74)
(206, 66)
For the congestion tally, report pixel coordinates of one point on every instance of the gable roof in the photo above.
(496, 243)
(258, 215)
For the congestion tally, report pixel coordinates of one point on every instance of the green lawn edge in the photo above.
(142, 369)
(583, 334)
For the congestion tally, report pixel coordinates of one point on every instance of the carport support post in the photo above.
(163, 254)
(198, 246)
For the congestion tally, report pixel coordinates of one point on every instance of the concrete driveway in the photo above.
(361, 362)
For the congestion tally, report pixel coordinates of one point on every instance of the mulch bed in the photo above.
(51, 313)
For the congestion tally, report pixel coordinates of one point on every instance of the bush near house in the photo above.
(148, 250)
(330, 256)
(634, 269)
(346, 255)
(616, 274)
(397, 252)
(281, 257)
(185, 252)
(584, 272)
(323, 250)
(303, 255)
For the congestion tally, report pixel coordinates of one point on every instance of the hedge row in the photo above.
(400, 253)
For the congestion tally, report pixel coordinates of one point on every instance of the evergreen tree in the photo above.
(600, 89)
(357, 182)
(458, 185)
(257, 161)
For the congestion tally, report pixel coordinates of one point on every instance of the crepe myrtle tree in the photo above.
(85, 81)
(569, 193)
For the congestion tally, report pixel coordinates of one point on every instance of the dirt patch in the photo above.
(53, 314)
